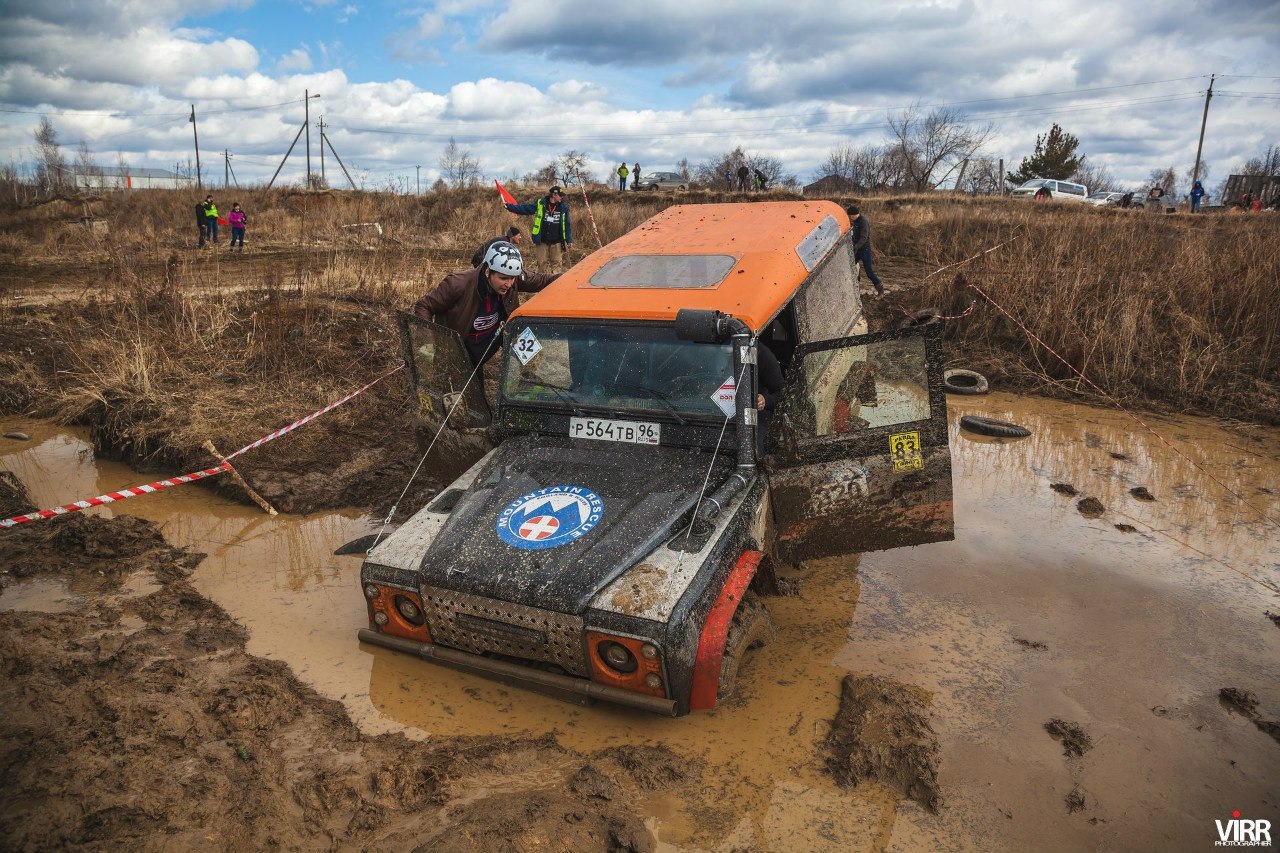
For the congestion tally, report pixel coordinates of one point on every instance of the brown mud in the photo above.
(237, 678)
(135, 720)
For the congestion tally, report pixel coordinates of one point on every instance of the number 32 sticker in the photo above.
(904, 447)
(526, 346)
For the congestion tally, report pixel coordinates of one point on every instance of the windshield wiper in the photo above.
(559, 390)
(657, 395)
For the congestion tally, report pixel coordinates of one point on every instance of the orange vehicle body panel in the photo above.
(761, 282)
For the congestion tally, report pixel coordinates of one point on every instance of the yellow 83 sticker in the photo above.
(904, 447)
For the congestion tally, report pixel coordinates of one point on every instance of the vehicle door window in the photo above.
(828, 305)
(439, 369)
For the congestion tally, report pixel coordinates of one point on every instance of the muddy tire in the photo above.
(923, 317)
(993, 427)
(751, 628)
(964, 382)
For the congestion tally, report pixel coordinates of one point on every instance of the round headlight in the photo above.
(380, 618)
(409, 610)
(371, 591)
(617, 656)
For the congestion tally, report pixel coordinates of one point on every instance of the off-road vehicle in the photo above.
(605, 548)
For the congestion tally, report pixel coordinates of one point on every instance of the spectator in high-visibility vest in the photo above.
(210, 218)
(623, 171)
(552, 232)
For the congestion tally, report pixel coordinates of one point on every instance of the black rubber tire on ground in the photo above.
(751, 627)
(964, 382)
(993, 427)
(923, 317)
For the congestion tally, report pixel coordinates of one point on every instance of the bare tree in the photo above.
(1268, 164)
(458, 166)
(931, 147)
(1095, 176)
(572, 165)
(710, 172)
(49, 163)
(86, 167)
(865, 167)
(1166, 179)
(983, 176)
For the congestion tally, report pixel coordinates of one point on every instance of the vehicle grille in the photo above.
(479, 625)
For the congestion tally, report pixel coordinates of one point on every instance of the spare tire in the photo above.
(993, 427)
(923, 317)
(964, 382)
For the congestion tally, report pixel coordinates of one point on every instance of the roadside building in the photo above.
(122, 178)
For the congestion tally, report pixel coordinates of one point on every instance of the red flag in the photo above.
(221, 221)
(507, 197)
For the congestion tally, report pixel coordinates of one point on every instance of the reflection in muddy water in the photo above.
(1034, 613)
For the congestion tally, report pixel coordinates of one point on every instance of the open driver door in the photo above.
(859, 457)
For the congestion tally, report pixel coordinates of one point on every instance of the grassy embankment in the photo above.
(159, 345)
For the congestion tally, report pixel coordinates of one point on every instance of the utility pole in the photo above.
(1195, 172)
(419, 168)
(321, 125)
(226, 168)
(196, 133)
(306, 100)
(1001, 184)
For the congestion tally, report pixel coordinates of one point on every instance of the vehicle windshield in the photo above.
(1032, 184)
(640, 369)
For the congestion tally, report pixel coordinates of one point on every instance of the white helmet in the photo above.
(504, 259)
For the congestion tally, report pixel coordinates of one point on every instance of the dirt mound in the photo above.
(137, 721)
(882, 732)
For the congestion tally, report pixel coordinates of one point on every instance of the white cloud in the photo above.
(297, 59)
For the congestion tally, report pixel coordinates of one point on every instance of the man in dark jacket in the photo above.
(513, 236)
(552, 233)
(860, 228)
(475, 302)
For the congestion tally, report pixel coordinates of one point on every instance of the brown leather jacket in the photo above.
(457, 299)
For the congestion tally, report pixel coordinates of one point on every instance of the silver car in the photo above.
(663, 181)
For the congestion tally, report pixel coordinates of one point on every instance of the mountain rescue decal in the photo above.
(550, 517)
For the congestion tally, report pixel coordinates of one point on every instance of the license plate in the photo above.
(631, 432)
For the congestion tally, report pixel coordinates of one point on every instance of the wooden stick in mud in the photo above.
(235, 475)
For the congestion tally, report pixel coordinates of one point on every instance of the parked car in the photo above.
(1104, 198)
(607, 548)
(663, 181)
(1142, 199)
(1046, 189)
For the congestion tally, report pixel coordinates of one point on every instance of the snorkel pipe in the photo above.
(714, 327)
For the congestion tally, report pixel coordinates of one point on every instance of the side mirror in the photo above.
(701, 325)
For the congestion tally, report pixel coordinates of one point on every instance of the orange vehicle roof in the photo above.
(761, 239)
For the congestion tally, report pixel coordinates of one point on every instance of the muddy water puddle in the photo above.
(1035, 613)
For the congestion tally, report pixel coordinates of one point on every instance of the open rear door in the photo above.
(439, 367)
(859, 459)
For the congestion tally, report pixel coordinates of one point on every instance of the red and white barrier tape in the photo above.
(131, 492)
(591, 216)
(134, 491)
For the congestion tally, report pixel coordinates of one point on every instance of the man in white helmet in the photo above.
(474, 302)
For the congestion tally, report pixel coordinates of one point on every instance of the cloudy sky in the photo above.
(518, 82)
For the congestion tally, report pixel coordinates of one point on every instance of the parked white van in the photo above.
(1045, 189)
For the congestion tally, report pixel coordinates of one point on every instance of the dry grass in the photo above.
(160, 345)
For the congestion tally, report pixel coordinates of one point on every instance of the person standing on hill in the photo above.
(860, 228)
(623, 171)
(210, 218)
(635, 177)
(552, 232)
(237, 220)
(1197, 195)
(475, 302)
(743, 175)
(762, 180)
(201, 223)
